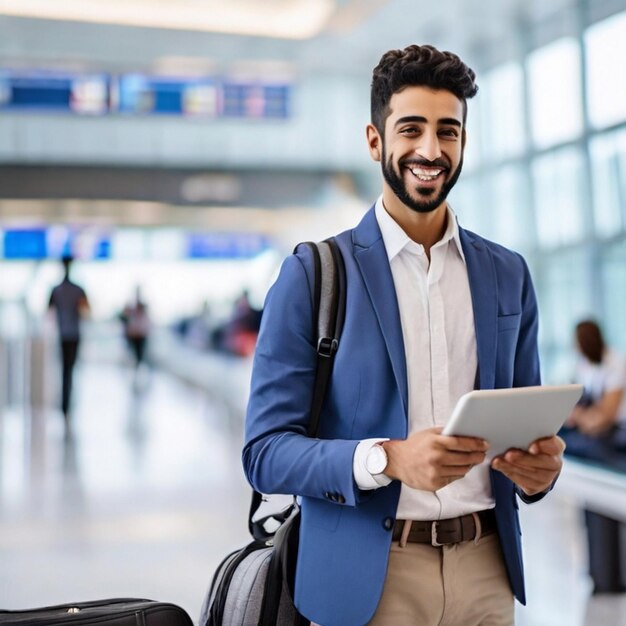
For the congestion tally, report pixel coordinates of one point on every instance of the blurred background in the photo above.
(177, 150)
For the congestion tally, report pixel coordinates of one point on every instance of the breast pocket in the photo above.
(508, 331)
(509, 322)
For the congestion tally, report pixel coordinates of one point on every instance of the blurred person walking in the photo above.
(136, 323)
(401, 525)
(596, 431)
(70, 304)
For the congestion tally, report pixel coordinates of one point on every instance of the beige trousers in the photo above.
(463, 584)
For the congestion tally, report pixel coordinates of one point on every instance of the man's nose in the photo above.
(428, 147)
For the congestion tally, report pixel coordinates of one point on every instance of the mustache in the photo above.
(440, 162)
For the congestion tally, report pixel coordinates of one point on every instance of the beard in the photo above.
(429, 199)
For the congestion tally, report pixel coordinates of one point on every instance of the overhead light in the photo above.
(282, 19)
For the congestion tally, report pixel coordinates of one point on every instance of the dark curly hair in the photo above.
(590, 340)
(418, 66)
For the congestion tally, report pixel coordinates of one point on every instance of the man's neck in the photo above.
(423, 228)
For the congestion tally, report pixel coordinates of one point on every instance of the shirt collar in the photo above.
(396, 239)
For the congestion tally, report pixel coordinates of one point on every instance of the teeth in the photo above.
(424, 174)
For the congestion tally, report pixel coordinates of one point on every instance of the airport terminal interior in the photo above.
(177, 150)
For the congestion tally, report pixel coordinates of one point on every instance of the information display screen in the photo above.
(95, 243)
(256, 101)
(48, 91)
(141, 94)
(225, 245)
(28, 243)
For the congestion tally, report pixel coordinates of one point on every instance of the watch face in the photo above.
(376, 460)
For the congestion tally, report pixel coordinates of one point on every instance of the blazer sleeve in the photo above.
(278, 456)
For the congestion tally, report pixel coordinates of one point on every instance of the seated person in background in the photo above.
(593, 432)
(602, 371)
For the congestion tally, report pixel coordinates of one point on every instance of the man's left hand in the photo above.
(535, 470)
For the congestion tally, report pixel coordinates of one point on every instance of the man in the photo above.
(70, 303)
(433, 311)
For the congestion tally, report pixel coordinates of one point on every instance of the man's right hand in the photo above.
(428, 460)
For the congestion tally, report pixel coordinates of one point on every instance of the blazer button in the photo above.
(328, 495)
(388, 523)
(340, 499)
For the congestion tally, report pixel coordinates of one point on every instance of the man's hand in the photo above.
(429, 460)
(534, 471)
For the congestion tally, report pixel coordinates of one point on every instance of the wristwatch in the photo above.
(376, 460)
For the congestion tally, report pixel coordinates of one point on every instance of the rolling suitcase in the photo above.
(112, 612)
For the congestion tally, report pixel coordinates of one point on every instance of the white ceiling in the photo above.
(350, 41)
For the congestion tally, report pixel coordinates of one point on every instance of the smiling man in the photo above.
(402, 525)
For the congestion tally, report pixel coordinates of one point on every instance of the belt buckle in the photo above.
(433, 535)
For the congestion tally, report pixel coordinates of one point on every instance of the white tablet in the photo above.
(512, 418)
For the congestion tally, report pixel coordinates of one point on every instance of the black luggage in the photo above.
(112, 612)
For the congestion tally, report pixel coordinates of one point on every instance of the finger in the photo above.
(529, 482)
(454, 473)
(464, 444)
(525, 459)
(529, 485)
(508, 468)
(462, 458)
(446, 480)
(549, 445)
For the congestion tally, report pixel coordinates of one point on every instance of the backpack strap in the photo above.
(329, 295)
(329, 312)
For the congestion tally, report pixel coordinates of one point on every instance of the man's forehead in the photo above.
(431, 104)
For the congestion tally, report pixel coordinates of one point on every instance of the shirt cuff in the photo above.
(362, 477)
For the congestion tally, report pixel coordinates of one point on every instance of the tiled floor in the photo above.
(142, 501)
(148, 495)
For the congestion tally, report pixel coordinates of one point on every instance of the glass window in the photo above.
(511, 208)
(563, 293)
(606, 80)
(555, 92)
(473, 148)
(608, 167)
(502, 92)
(559, 191)
(614, 282)
(472, 207)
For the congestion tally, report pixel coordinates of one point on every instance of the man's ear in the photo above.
(374, 142)
(463, 138)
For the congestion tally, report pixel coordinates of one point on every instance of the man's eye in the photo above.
(449, 132)
(408, 131)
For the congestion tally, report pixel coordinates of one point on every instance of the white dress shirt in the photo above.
(604, 377)
(440, 346)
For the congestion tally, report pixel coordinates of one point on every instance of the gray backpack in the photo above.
(254, 585)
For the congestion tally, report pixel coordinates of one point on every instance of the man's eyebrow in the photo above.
(452, 121)
(420, 119)
(410, 118)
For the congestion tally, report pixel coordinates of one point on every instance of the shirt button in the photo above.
(388, 523)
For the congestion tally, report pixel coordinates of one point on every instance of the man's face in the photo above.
(422, 150)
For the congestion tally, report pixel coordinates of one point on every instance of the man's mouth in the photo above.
(426, 174)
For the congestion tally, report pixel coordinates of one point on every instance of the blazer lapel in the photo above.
(371, 257)
(484, 289)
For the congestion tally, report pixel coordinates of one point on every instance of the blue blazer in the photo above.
(345, 533)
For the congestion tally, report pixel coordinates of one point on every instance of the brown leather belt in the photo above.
(446, 531)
